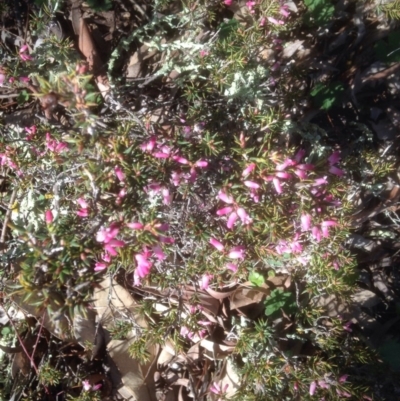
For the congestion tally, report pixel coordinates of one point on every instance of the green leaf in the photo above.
(388, 50)
(256, 279)
(325, 96)
(319, 12)
(279, 299)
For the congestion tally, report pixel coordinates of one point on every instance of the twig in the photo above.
(8, 215)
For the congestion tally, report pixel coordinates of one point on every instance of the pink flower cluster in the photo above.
(55, 146)
(235, 212)
(6, 160)
(111, 244)
(160, 151)
(235, 253)
(24, 53)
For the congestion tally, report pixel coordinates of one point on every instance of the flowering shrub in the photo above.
(226, 189)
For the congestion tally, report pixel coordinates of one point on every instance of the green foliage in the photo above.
(280, 299)
(320, 12)
(256, 278)
(388, 50)
(326, 96)
(391, 9)
(100, 5)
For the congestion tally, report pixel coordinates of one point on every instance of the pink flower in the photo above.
(277, 185)
(149, 146)
(143, 265)
(119, 173)
(83, 212)
(24, 79)
(23, 53)
(107, 234)
(323, 384)
(2, 79)
(180, 160)
(223, 211)
(320, 181)
(262, 21)
(251, 184)
(313, 387)
(100, 266)
(244, 217)
(82, 203)
(224, 197)
(216, 244)
(158, 252)
(228, 2)
(232, 267)
(166, 240)
(283, 10)
(336, 171)
(231, 220)
(329, 223)
(301, 174)
(343, 379)
(316, 233)
(306, 167)
(299, 155)
(248, 169)
(201, 163)
(216, 388)
(282, 174)
(86, 385)
(334, 157)
(176, 178)
(237, 252)
(305, 222)
(161, 155)
(31, 131)
(167, 198)
(110, 246)
(275, 21)
(135, 226)
(48, 216)
(205, 281)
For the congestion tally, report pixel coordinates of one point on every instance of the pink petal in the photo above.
(201, 163)
(244, 217)
(224, 197)
(82, 203)
(329, 223)
(161, 155)
(83, 213)
(232, 267)
(100, 266)
(166, 240)
(305, 222)
(334, 157)
(167, 198)
(216, 244)
(205, 281)
(223, 211)
(48, 216)
(336, 171)
(231, 220)
(299, 155)
(248, 169)
(119, 173)
(135, 226)
(282, 174)
(237, 252)
(313, 387)
(301, 174)
(180, 160)
(306, 167)
(284, 11)
(320, 181)
(158, 252)
(343, 379)
(277, 185)
(228, 2)
(251, 184)
(316, 233)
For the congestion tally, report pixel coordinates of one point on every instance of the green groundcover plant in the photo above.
(228, 191)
